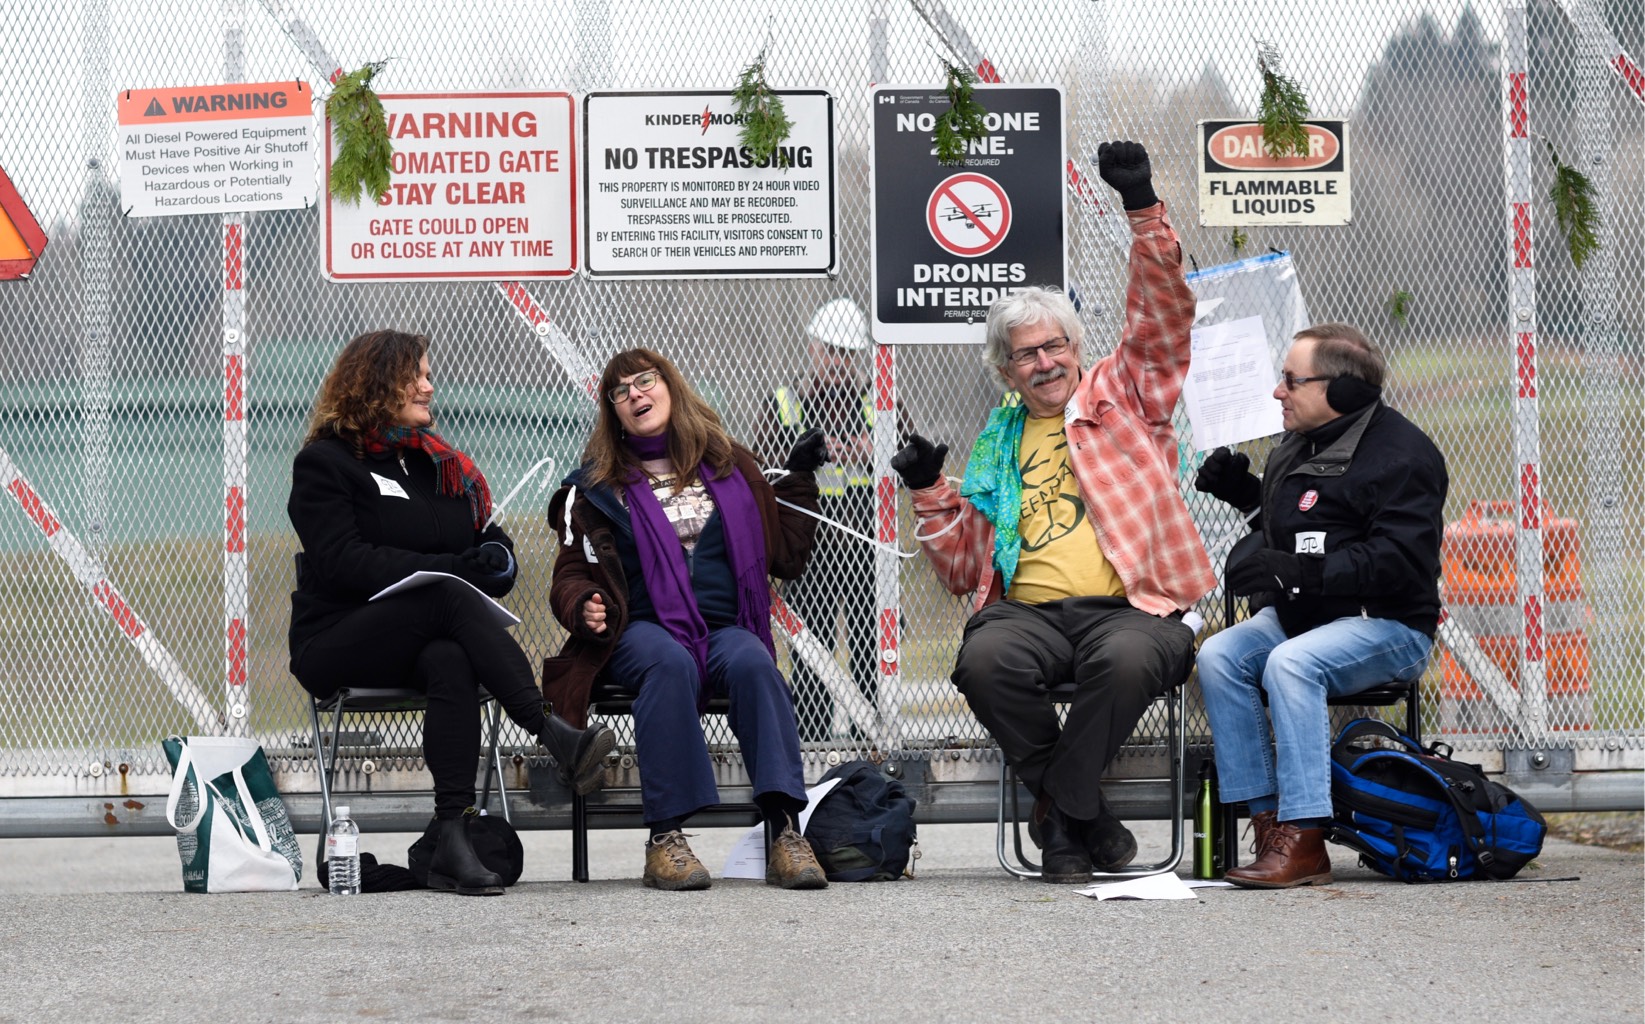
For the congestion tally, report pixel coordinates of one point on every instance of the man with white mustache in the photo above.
(1071, 530)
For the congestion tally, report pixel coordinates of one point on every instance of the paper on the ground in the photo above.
(747, 858)
(423, 577)
(1229, 392)
(1164, 886)
(1207, 883)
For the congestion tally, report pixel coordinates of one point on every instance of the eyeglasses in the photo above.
(1029, 356)
(1292, 380)
(644, 382)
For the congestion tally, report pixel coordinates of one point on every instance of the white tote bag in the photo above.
(233, 834)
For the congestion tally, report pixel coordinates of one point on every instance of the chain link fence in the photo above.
(112, 352)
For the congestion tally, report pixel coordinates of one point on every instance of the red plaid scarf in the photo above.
(456, 472)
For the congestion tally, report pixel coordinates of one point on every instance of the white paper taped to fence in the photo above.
(1265, 286)
(1230, 385)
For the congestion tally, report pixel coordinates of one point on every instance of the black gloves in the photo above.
(809, 452)
(920, 463)
(489, 559)
(1227, 477)
(1278, 571)
(1125, 167)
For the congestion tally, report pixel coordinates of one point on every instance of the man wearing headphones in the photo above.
(1349, 510)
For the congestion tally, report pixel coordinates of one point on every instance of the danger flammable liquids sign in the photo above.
(482, 187)
(1241, 185)
(949, 240)
(216, 149)
(671, 191)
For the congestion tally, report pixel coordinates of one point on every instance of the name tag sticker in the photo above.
(1311, 543)
(390, 488)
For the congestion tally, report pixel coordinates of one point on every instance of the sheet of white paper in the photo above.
(1207, 883)
(747, 858)
(422, 578)
(1166, 886)
(1229, 392)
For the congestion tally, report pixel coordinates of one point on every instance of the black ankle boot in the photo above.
(1066, 858)
(455, 867)
(579, 755)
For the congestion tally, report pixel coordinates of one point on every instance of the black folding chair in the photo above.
(1020, 865)
(608, 701)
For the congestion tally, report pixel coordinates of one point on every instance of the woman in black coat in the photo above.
(376, 495)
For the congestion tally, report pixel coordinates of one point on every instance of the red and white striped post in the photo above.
(90, 575)
(1590, 20)
(235, 569)
(887, 571)
(236, 576)
(1533, 703)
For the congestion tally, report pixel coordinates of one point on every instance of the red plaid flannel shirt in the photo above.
(1122, 448)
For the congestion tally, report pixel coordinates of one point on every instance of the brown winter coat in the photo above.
(590, 562)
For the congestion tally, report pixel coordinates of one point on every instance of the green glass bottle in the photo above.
(1207, 825)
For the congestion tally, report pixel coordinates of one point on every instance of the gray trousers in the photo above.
(1118, 658)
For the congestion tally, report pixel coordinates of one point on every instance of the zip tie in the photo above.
(497, 509)
(836, 524)
(870, 541)
(570, 498)
(923, 537)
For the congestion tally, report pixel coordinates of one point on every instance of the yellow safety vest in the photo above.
(831, 480)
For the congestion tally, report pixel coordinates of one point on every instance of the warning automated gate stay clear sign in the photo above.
(484, 188)
(949, 240)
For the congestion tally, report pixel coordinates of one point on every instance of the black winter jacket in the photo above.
(1361, 500)
(366, 523)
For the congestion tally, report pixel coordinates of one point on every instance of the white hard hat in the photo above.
(839, 323)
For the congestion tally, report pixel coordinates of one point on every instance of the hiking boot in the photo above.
(1111, 844)
(792, 864)
(579, 754)
(1293, 856)
(670, 865)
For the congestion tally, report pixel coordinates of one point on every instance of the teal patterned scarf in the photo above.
(993, 481)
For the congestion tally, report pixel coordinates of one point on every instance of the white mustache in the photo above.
(1046, 375)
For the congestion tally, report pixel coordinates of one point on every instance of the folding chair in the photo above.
(1381, 695)
(383, 700)
(608, 701)
(358, 700)
(1174, 700)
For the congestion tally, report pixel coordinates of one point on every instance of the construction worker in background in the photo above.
(837, 398)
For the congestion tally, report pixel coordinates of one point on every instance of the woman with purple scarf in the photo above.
(668, 534)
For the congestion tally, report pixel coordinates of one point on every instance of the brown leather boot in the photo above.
(1293, 856)
(1261, 824)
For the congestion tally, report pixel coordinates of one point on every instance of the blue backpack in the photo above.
(863, 830)
(1418, 816)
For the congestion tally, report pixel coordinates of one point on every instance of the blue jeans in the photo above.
(676, 775)
(1293, 758)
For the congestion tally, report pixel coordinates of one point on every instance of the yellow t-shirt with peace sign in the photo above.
(1060, 556)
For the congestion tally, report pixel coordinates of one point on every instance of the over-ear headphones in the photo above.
(1350, 394)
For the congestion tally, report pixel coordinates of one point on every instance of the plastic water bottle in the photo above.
(343, 855)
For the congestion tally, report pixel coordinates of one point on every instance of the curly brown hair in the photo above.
(366, 385)
(695, 432)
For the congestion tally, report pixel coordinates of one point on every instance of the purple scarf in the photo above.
(662, 557)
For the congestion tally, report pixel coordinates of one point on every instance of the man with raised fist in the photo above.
(1071, 531)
